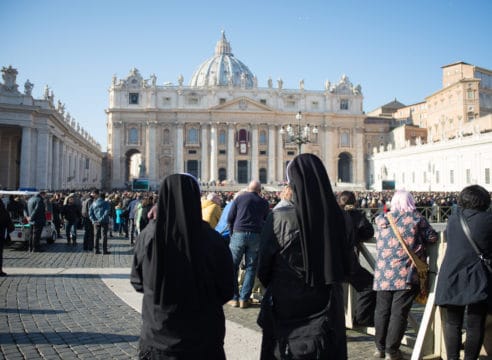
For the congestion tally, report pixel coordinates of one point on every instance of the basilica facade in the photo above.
(223, 127)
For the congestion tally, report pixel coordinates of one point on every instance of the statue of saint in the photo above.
(28, 88)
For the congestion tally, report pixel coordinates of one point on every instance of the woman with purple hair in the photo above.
(395, 277)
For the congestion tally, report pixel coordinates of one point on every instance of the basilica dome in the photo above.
(223, 69)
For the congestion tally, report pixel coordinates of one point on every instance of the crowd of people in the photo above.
(301, 244)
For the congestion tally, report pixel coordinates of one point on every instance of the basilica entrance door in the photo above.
(242, 171)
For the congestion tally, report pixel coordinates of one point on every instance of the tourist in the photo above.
(6, 227)
(246, 218)
(395, 278)
(462, 283)
(36, 211)
(360, 278)
(99, 215)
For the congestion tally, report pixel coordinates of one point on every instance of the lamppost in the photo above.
(300, 135)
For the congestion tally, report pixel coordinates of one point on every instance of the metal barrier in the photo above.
(434, 214)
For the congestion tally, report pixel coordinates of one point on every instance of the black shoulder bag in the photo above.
(466, 230)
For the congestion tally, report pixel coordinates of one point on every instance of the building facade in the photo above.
(443, 143)
(224, 128)
(41, 146)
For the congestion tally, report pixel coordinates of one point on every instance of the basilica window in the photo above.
(263, 138)
(470, 94)
(263, 175)
(487, 175)
(437, 177)
(192, 137)
(344, 104)
(133, 136)
(468, 176)
(133, 98)
(451, 176)
(290, 104)
(345, 139)
(222, 137)
(166, 137)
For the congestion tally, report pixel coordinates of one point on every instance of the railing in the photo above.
(434, 214)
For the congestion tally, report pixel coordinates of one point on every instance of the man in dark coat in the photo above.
(6, 227)
(182, 311)
(86, 220)
(360, 278)
(36, 210)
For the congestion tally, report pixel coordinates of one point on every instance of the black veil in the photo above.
(321, 221)
(177, 263)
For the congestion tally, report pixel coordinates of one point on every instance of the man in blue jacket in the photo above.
(99, 215)
(246, 218)
(36, 211)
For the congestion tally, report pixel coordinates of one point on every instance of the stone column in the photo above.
(56, 184)
(116, 171)
(271, 154)
(205, 176)
(150, 156)
(214, 172)
(330, 160)
(359, 148)
(230, 154)
(63, 166)
(254, 153)
(179, 165)
(25, 175)
(280, 156)
(42, 160)
(49, 153)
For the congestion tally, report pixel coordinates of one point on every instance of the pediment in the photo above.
(242, 104)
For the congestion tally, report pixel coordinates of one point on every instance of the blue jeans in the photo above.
(71, 230)
(247, 244)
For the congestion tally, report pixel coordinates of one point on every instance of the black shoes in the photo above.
(106, 252)
(2, 274)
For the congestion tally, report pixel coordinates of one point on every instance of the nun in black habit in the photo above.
(304, 258)
(185, 272)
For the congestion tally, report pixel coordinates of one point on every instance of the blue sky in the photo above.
(393, 49)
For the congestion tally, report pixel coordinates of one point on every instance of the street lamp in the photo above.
(300, 135)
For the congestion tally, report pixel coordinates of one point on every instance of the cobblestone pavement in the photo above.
(50, 312)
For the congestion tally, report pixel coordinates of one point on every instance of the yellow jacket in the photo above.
(211, 212)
